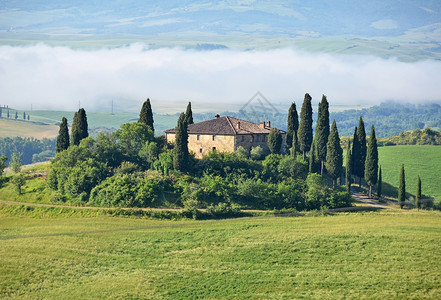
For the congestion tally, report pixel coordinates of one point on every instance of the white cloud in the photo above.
(385, 24)
(59, 77)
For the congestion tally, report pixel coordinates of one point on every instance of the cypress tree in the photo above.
(1, 112)
(24, 115)
(418, 193)
(304, 133)
(355, 153)
(189, 114)
(322, 132)
(361, 135)
(274, 141)
(402, 188)
(334, 155)
(295, 146)
(146, 114)
(63, 136)
(379, 184)
(348, 167)
(79, 127)
(8, 114)
(180, 151)
(371, 163)
(16, 115)
(292, 126)
(28, 117)
(313, 159)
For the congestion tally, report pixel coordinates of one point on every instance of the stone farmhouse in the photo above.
(225, 134)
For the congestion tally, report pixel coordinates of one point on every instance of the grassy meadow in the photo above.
(424, 161)
(391, 254)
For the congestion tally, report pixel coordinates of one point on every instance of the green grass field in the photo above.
(385, 255)
(424, 161)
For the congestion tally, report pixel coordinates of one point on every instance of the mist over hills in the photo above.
(407, 29)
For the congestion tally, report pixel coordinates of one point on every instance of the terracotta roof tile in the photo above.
(225, 126)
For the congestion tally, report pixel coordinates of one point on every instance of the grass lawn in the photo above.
(393, 254)
(424, 161)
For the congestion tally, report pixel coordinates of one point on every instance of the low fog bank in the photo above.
(60, 77)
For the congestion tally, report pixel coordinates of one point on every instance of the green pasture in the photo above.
(382, 255)
(422, 160)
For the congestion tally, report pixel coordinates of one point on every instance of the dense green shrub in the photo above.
(129, 190)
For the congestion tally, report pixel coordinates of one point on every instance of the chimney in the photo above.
(262, 124)
(238, 125)
(216, 116)
(268, 124)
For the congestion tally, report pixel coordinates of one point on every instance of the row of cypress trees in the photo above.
(324, 147)
(79, 131)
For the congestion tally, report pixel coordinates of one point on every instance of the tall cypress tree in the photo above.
(146, 114)
(348, 167)
(24, 115)
(180, 151)
(292, 126)
(16, 115)
(379, 184)
(313, 159)
(304, 133)
(295, 146)
(63, 136)
(361, 136)
(79, 127)
(402, 188)
(418, 193)
(371, 163)
(322, 132)
(1, 112)
(334, 155)
(189, 114)
(274, 141)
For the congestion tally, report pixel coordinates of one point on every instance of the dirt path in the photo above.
(364, 199)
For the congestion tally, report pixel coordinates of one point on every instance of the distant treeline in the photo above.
(31, 149)
(390, 118)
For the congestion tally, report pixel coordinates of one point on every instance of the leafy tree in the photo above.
(362, 148)
(348, 167)
(292, 125)
(291, 167)
(334, 156)
(150, 152)
(180, 154)
(274, 141)
(3, 160)
(402, 188)
(371, 164)
(131, 138)
(418, 193)
(304, 132)
(16, 162)
(146, 114)
(164, 162)
(241, 152)
(257, 153)
(379, 184)
(322, 132)
(79, 127)
(189, 114)
(63, 136)
(18, 181)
